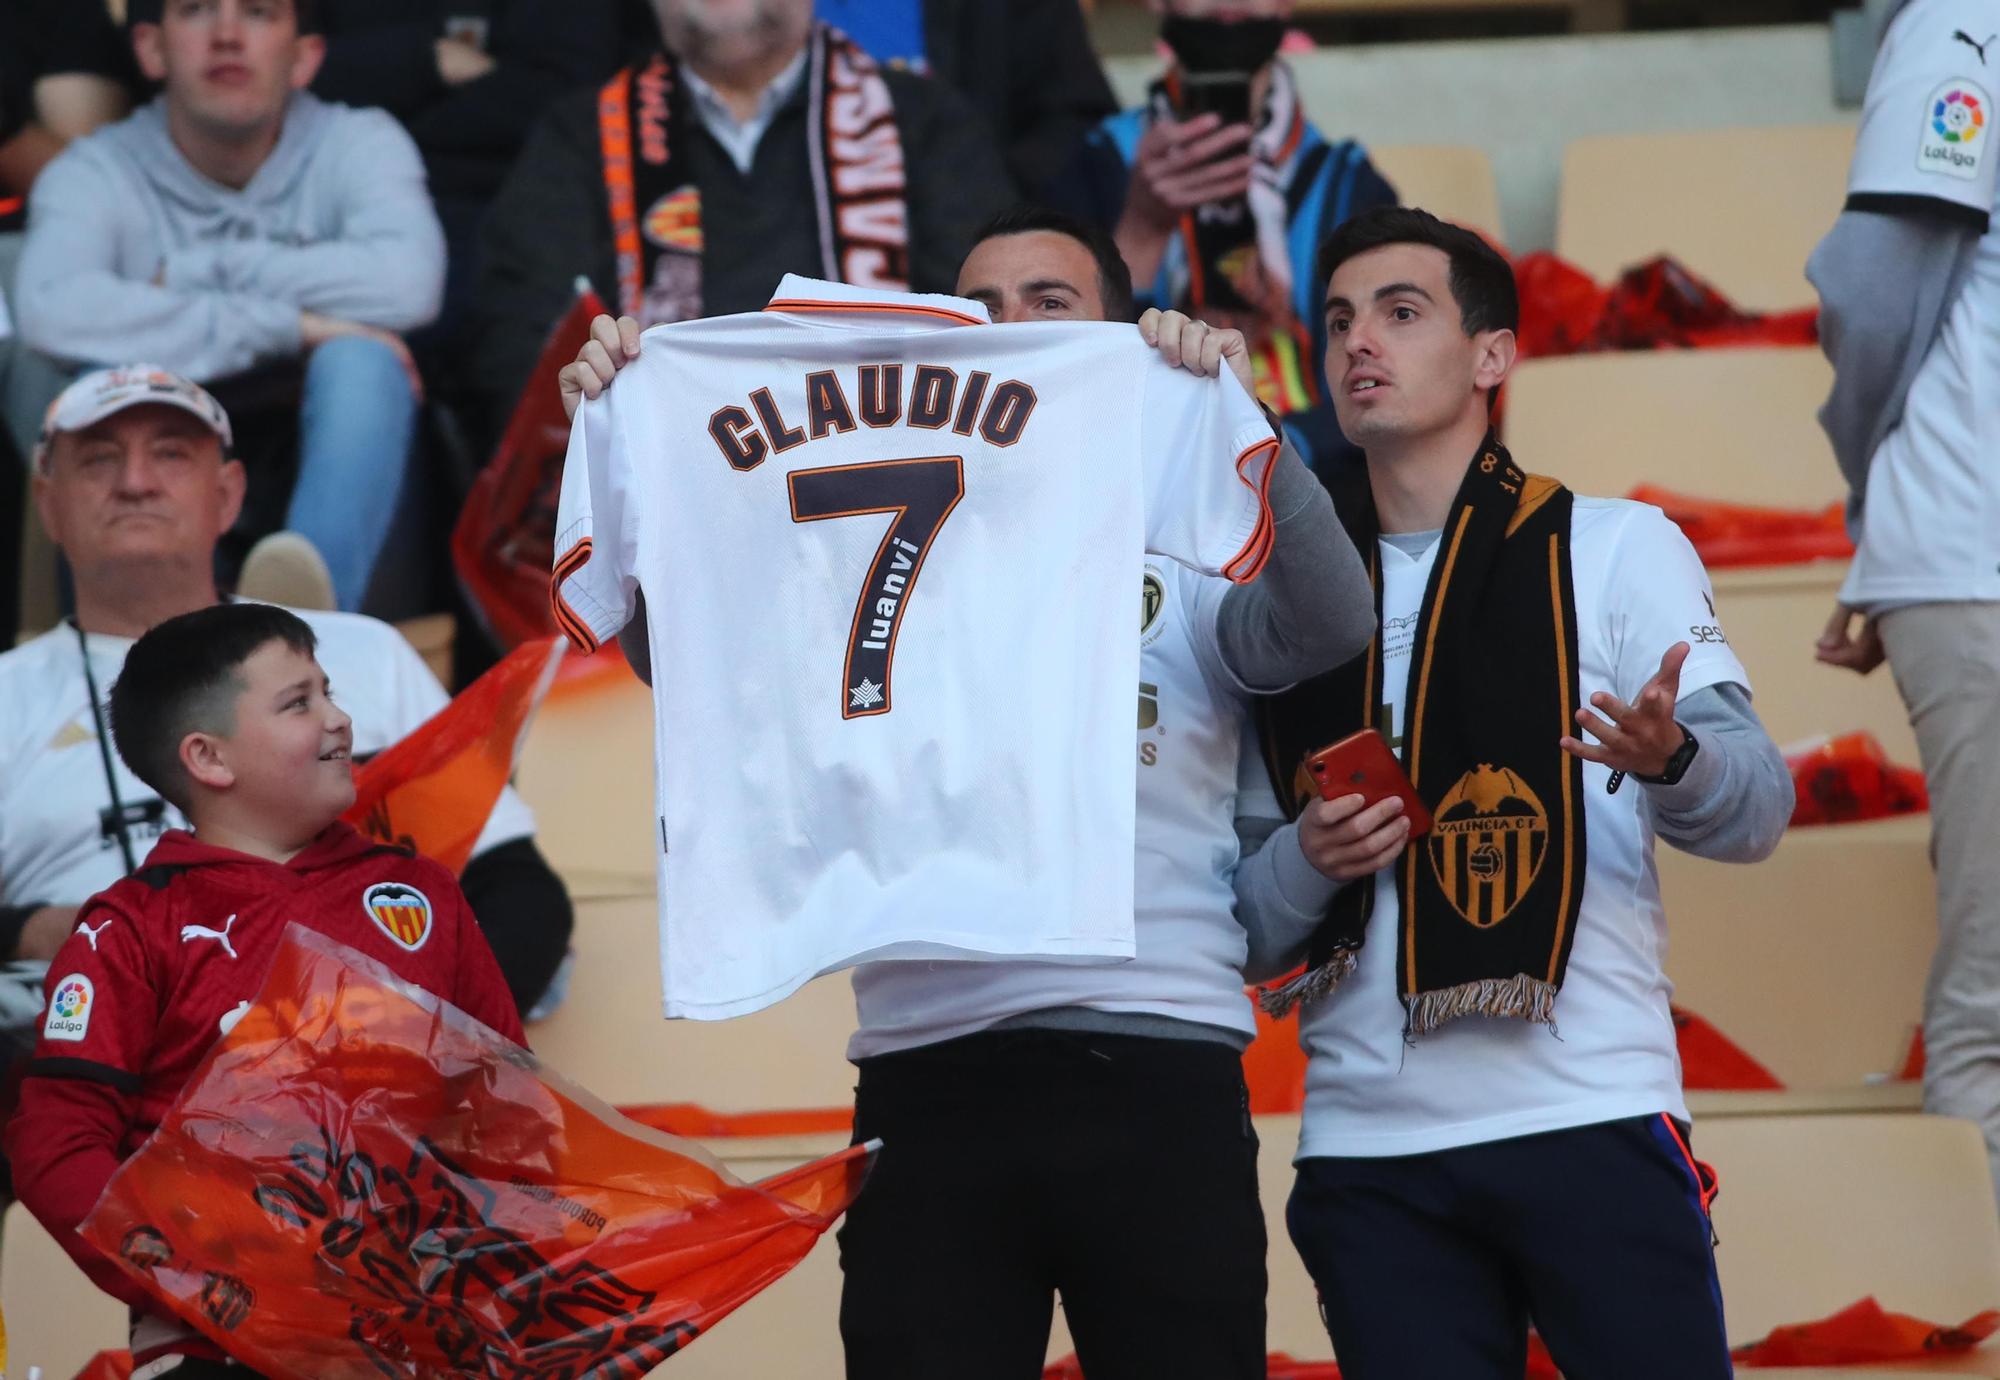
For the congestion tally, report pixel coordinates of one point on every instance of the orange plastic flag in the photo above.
(1711, 1061)
(107, 1365)
(1732, 534)
(1850, 778)
(434, 789)
(1274, 1067)
(1862, 1333)
(504, 543)
(362, 1181)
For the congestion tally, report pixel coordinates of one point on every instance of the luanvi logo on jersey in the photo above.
(401, 912)
(1487, 847)
(920, 493)
(1955, 137)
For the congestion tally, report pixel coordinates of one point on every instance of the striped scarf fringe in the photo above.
(1310, 985)
(1519, 997)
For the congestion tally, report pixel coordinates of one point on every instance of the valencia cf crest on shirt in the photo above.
(402, 912)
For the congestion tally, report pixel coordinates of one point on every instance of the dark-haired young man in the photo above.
(1462, 1170)
(1085, 1130)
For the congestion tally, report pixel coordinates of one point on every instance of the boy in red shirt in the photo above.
(225, 713)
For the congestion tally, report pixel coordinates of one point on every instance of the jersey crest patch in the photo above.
(402, 912)
(70, 1008)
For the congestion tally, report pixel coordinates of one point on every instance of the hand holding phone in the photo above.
(1361, 764)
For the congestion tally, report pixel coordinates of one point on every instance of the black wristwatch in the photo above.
(1678, 764)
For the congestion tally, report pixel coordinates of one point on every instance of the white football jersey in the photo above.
(887, 563)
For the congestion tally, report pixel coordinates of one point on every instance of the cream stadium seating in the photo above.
(1450, 181)
(1818, 1212)
(1742, 207)
(1814, 961)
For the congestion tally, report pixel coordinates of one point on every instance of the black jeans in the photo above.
(1433, 1265)
(1117, 1171)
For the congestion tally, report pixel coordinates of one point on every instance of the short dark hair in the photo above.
(1114, 279)
(1482, 281)
(181, 678)
(153, 11)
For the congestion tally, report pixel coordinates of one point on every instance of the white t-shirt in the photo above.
(1193, 721)
(1931, 514)
(1640, 588)
(853, 763)
(57, 842)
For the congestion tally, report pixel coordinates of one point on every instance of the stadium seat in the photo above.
(1742, 207)
(1450, 181)
(56, 1318)
(587, 771)
(1771, 616)
(1814, 961)
(611, 1037)
(1899, 1096)
(1735, 425)
(432, 636)
(1818, 1212)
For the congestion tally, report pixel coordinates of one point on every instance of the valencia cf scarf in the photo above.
(644, 120)
(1489, 898)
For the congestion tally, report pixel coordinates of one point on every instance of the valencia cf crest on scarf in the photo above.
(1488, 844)
(402, 912)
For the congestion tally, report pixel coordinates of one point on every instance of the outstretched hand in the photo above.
(1639, 737)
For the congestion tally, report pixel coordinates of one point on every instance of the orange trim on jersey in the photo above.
(573, 627)
(894, 308)
(1707, 1182)
(1245, 565)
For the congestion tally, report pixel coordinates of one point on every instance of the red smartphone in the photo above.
(1361, 763)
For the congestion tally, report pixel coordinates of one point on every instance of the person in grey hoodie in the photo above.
(237, 223)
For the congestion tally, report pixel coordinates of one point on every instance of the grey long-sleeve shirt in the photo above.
(1732, 806)
(133, 255)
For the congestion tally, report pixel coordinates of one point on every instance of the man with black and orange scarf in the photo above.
(1494, 1130)
(754, 142)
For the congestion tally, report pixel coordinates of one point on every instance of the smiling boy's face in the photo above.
(290, 749)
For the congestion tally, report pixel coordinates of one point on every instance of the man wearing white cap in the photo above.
(134, 482)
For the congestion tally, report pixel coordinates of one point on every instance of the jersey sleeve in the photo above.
(101, 1002)
(1661, 595)
(1206, 452)
(596, 549)
(1927, 123)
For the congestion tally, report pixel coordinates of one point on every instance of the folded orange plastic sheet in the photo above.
(1864, 1333)
(362, 1181)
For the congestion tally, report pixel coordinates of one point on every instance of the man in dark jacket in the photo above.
(755, 143)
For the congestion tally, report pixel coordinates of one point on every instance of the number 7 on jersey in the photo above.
(921, 493)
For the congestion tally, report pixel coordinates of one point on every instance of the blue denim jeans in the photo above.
(357, 419)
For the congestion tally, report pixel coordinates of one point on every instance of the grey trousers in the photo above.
(1946, 658)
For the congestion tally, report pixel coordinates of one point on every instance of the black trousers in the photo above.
(1117, 1171)
(1434, 1265)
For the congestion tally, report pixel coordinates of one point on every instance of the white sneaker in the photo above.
(285, 568)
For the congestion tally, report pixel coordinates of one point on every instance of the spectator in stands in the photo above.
(1026, 66)
(64, 70)
(237, 224)
(135, 483)
(723, 175)
(1220, 218)
(1909, 285)
(1461, 1169)
(1077, 1129)
(468, 81)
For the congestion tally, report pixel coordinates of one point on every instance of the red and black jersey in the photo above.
(161, 964)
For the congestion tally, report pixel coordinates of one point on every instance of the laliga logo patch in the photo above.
(69, 1009)
(1487, 847)
(1954, 135)
(402, 912)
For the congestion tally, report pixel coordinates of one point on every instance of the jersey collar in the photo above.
(883, 310)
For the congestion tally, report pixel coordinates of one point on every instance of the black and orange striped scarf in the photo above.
(1489, 898)
(859, 180)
